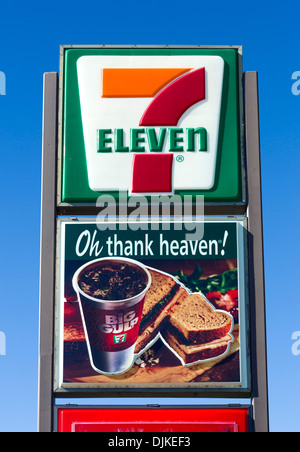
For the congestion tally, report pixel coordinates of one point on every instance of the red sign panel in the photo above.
(226, 420)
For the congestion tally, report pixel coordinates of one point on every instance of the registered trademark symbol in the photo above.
(180, 158)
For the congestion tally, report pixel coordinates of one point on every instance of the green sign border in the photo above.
(73, 181)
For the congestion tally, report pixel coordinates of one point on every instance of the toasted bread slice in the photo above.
(197, 320)
(191, 353)
(163, 293)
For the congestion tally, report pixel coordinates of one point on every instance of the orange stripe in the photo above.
(135, 82)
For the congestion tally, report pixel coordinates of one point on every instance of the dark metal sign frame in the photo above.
(221, 207)
(241, 388)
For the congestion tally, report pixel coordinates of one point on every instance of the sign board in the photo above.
(162, 419)
(171, 313)
(151, 122)
(183, 338)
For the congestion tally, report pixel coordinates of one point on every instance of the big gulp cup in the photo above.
(111, 293)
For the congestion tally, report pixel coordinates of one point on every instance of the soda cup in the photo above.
(111, 324)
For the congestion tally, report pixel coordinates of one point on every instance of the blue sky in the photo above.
(30, 35)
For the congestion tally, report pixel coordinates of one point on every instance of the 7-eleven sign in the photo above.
(150, 125)
(151, 121)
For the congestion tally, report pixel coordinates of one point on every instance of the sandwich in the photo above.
(163, 293)
(75, 346)
(195, 331)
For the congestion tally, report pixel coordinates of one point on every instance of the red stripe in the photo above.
(152, 173)
(169, 105)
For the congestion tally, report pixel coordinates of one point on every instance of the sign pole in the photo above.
(48, 255)
(48, 246)
(256, 265)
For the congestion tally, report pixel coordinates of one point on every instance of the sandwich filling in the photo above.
(164, 292)
(157, 308)
(196, 331)
(190, 353)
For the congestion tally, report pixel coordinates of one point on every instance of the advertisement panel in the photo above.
(151, 305)
(142, 420)
(151, 121)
